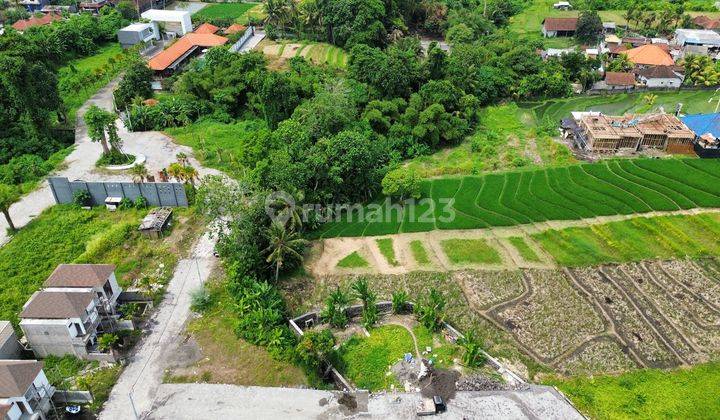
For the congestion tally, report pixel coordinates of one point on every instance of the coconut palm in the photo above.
(177, 171)
(139, 172)
(362, 291)
(650, 99)
(190, 174)
(284, 245)
(182, 158)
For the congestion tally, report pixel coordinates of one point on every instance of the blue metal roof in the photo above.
(703, 123)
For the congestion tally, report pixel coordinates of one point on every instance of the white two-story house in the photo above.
(25, 392)
(59, 323)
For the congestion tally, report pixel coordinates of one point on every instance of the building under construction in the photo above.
(596, 132)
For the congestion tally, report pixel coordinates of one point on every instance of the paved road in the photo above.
(158, 148)
(204, 401)
(142, 377)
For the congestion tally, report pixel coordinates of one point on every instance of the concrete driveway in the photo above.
(137, 387)
(205, 401)
(159, 149)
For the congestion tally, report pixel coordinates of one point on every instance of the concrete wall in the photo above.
(81, 397)
(169, 194)
(50, 339)
(9, 347)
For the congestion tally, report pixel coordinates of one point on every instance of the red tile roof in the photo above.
(206, 28)
(560, 24)
(79, 275)
(650, 55)
(183, 45)
(613, 78)
(706, 22)
(47, 19)
(235, 28)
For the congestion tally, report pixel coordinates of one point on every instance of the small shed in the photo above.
(112, 203)
(155, 222)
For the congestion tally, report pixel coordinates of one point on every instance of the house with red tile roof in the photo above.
(47, 19)
(234, 28)
(650, 55)
(190, 45)
(206, 28)
(553, 27)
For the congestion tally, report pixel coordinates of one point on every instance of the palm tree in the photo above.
(650, 99)
(139, 172)
(177, 171)
(362, 291)
(284, 244)
(182, 158)
(190, 174)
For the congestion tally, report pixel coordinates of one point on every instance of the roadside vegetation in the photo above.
(72, 374)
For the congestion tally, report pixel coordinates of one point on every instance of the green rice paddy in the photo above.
(567, 193)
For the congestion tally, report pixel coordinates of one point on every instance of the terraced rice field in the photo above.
(316, 53)
(610, 318)
(568, 193)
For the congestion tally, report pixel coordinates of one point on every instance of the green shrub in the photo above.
(201, 300)
(125, 204)
(140, 202)
(82, 198)
(107, 341)
(399, 302)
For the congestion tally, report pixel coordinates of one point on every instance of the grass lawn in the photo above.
(524, 249)
(690, 393)
(443, 352)
(223, 11)
(67, 234)
(366, 360)
(386, 248)
(634, 240)
(231, 360)
(107, 57)
(419, 252)
(353, 260)
(257, 12)
(514, 143)
(563, 193)
(474, 251)
(227, 147)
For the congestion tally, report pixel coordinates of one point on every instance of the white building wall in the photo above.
(662, 83)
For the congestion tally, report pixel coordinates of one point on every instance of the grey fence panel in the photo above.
(180, 196)
(167, 194)
(98, 192)
(60, 188)
(131, 190)
(114, 189)
(170, 194)
(149, 191)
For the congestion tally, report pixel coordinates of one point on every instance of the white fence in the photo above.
(249, 32)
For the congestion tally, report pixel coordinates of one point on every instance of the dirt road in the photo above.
(139, 382)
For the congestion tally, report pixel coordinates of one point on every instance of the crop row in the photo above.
(568, 193)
